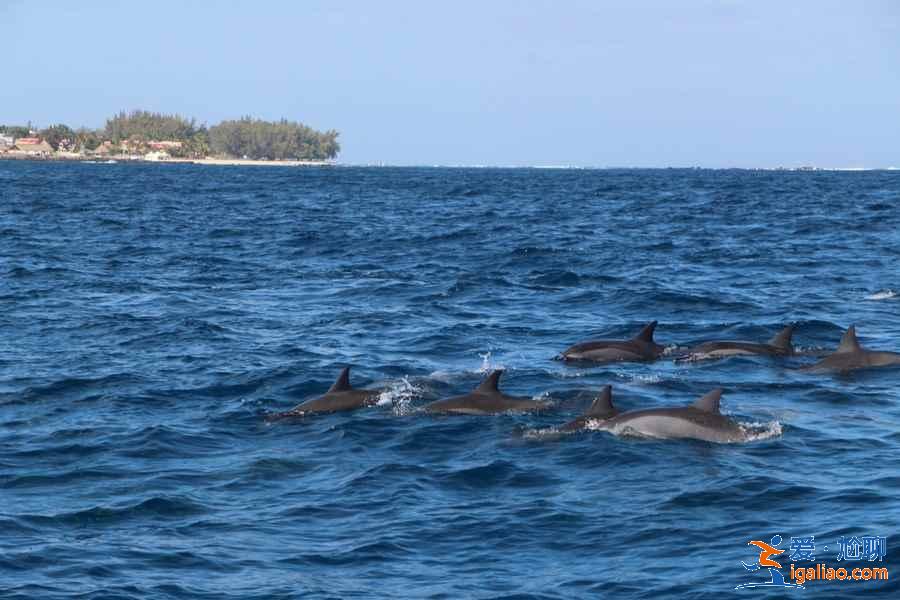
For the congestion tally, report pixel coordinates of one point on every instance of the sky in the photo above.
(715, 83)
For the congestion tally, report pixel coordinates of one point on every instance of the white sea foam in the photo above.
(640, 378)
(542, 397)
(757, 431)
(543, 434)
(649, 378)
(671, 349)
(572, 374)
(487, 365)
(399, 396)
(444, 376)
(882, 295)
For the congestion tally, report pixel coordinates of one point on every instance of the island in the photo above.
(149, 136)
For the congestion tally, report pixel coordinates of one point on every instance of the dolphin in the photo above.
(699, 421)
(780, 345)
(640, 348)
(486, 399)
(341, 396)
(600, 409)
(851, 356)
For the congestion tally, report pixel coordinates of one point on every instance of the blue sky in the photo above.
(642, 83)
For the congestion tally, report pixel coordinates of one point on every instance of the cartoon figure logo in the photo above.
(767, 551)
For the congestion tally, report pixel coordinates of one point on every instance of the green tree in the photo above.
(87, 139)
(16, 131)
(142, 125)
(278, 140)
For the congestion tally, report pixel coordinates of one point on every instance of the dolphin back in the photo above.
(849, 343)
(782, 341)
(342, 383)
(602, 406)
(646, 334)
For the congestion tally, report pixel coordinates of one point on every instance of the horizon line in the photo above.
(806, 168)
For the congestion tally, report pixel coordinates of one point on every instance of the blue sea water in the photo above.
(151, 316)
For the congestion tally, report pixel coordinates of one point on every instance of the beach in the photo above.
(190, 161)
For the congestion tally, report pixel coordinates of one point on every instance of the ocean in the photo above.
(152, 316)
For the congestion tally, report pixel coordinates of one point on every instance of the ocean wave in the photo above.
(147, 335)
(157, 507)
(494, 474)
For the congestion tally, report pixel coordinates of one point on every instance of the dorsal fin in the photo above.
(783, 339)
(489, 385)
(602, 405)
(342, 383)
(646, 334)
(849, 343)
(709, 402)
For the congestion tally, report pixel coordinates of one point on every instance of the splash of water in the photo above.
(543, 434)
(757, 431)
(488, 364)
(399, 396)
(671, 349)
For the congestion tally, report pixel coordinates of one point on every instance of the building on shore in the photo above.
(165, 144)
(6, 141)
(33, 147)
(157, 155)
(104, 149)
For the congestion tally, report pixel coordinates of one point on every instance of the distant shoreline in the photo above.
(333, 163)
(188, 161)
(248, 162)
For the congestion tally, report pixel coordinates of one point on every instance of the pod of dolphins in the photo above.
(701, 420)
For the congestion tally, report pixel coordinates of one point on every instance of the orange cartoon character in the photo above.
(767, 551)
